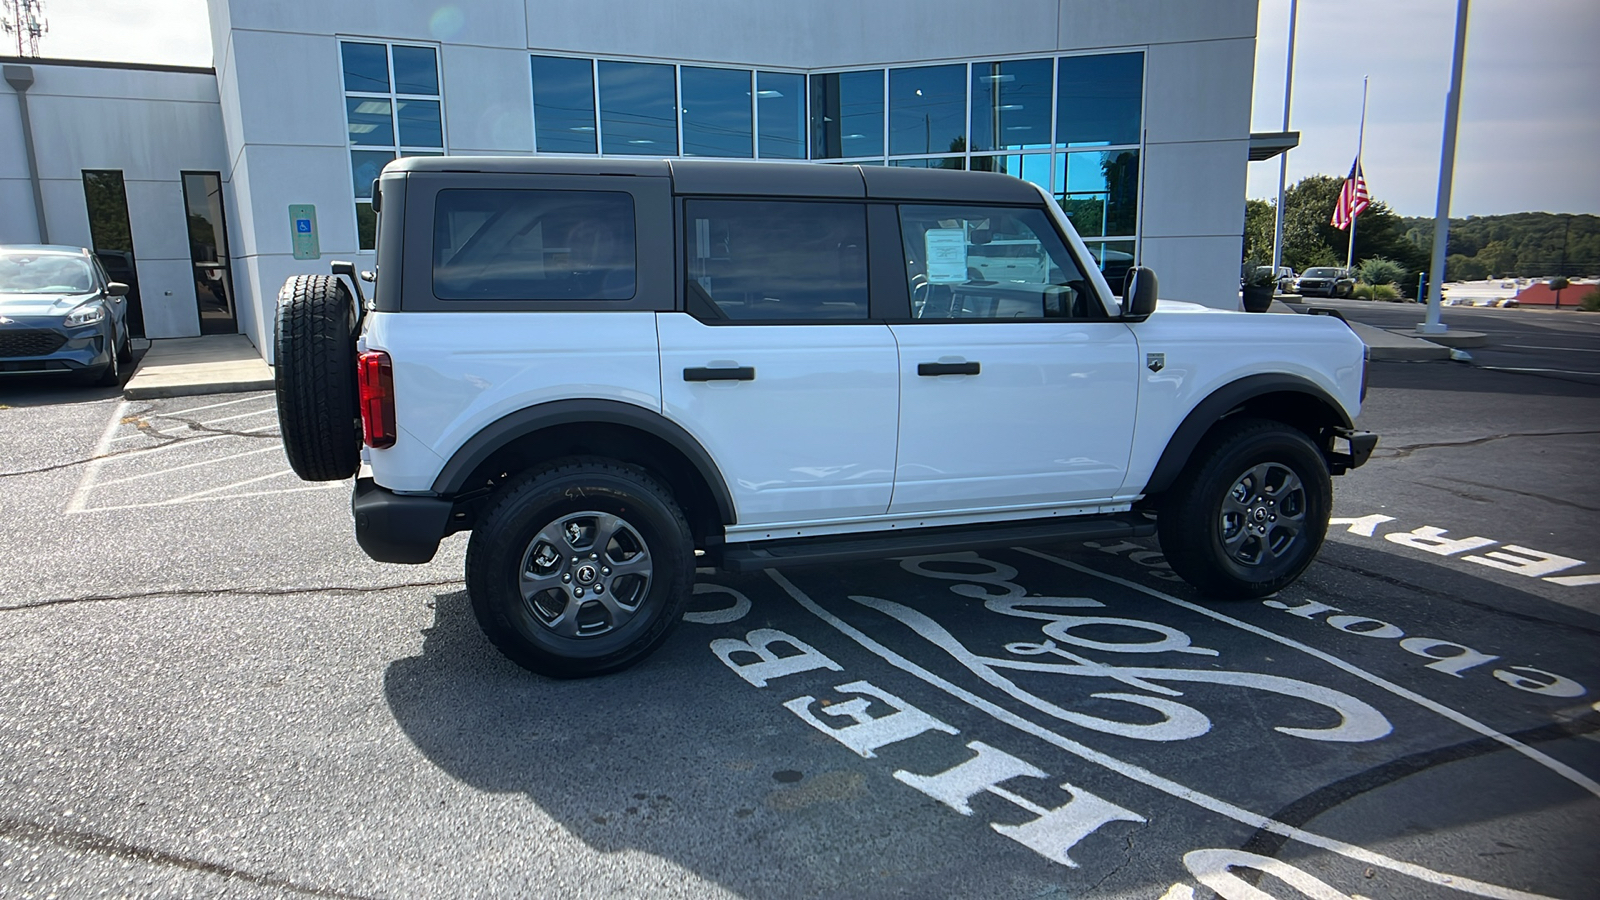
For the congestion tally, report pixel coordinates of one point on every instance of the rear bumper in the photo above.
(398, 528)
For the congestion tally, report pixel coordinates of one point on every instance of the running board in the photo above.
(755, 556)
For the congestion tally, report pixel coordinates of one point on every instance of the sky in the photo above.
(1529, 137)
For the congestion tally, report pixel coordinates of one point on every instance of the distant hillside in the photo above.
(1520, 245)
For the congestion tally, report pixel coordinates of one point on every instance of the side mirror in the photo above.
(1138, 294)
(117, 289)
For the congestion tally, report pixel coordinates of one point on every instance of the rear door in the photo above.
(776, 366)
(1016, 392)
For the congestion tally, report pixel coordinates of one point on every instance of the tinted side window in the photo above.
(989, 262)
(774, 260)
(533, 245)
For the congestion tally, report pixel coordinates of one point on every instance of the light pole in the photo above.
(1447, 166)
(1283, 158)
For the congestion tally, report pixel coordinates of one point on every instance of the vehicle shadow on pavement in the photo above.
(671, 759)
(58, 390)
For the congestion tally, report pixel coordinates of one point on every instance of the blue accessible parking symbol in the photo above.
(303, 218)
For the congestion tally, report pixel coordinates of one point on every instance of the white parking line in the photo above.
(316, 487)
(188, 497)
(1567, 349)
(81, 495)
(1138, 773)
(1466, 721)
(203, 462)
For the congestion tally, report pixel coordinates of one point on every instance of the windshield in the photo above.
(1323, 273)
(44, 273)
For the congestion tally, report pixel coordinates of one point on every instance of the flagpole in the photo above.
(1283, 158)
(1361, 136)
(1447, 170)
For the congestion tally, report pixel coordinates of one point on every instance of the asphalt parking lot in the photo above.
(207, 690)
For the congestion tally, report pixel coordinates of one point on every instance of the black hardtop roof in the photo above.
(735, 177)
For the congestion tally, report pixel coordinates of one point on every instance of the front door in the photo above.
(1017, 389)
(208, 252)
(775, 367)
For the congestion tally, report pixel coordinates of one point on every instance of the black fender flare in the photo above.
(524, 422)
(1218, 404)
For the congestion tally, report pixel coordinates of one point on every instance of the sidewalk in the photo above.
(1381, 344)
(212, 364)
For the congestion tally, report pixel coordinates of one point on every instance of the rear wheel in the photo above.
(1251, 510)
(581, 568)
(315, 378)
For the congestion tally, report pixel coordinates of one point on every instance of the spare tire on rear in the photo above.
(315, 378)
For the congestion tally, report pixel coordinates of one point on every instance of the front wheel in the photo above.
(1251, 510)
(580, 568)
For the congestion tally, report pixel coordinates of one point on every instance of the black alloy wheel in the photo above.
(1250, 511)
(580, 568)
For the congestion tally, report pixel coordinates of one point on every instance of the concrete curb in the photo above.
(185, 367)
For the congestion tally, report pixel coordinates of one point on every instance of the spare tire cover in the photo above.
(315, 378)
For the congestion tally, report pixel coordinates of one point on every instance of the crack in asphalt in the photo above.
(1529, 494)
(1302, 811)
(92, 842)
(1324, 560)
(228, 592)
(1405, 450)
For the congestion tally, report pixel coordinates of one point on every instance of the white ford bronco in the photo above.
(613, 372)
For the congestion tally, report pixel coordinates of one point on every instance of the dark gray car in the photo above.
(1325, 281)
(60, 314)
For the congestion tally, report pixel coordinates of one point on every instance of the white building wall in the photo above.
(152, 124)
(282, 98)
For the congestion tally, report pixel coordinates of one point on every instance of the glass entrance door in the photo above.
(208, 251)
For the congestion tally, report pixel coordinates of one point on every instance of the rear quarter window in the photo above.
(534, 245)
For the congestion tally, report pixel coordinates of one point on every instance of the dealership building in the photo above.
(210, 187)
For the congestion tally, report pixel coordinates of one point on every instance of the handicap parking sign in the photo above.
(303, 219)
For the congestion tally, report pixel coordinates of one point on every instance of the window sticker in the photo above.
(947, 255)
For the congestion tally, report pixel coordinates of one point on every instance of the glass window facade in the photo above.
(1099, 190)
(1011, 104)
(563, 105)
(392, 108)
(1099, 99)
(717, 112)
(927, 110)
(847, 114)
(781, 114)
(638, 108)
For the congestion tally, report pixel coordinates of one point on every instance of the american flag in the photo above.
(1353, 199)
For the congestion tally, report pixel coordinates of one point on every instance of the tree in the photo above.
(1378, 270)
(1559, 284)
(1260, 219)
(1464, 268)
(1309, 238)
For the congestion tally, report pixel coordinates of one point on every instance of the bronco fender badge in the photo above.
(1155, 362)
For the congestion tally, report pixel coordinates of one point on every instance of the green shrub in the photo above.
(1364, 291)
(1591, 300)
(1378, 270)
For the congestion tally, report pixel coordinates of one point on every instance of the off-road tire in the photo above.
(504, 554)
(315, 378)
(1243, 458)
